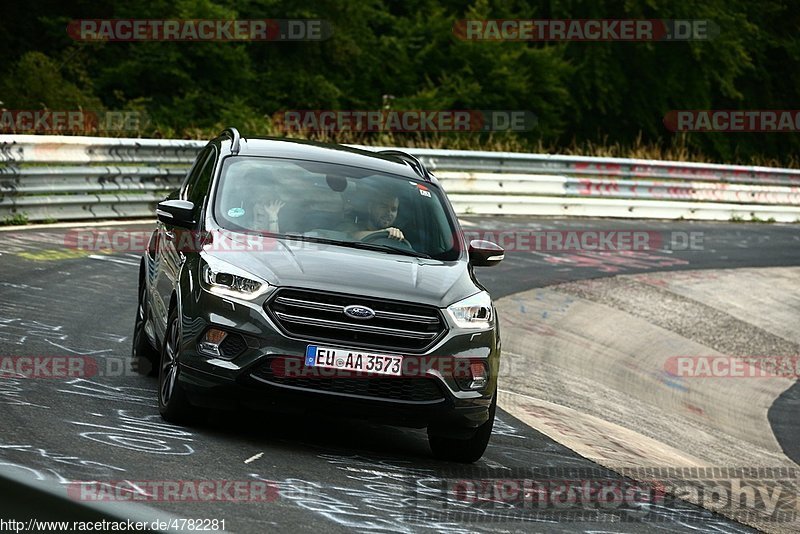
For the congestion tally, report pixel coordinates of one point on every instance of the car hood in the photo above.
(302, 264)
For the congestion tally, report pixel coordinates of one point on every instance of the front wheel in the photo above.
(144, 357)
(467, 450)
(173, 404)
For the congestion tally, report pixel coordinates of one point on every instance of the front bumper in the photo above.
(239, 382)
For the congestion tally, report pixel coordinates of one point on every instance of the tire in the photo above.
(468, 450)
(173, 404)
(144, 357)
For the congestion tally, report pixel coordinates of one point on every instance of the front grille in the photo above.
(408, 389)
(319, 316)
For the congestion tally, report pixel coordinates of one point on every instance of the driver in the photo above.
(380, 216)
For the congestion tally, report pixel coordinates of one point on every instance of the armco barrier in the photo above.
(32, 503)
(73, 178)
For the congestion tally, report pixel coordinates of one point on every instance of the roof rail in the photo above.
(410, 160)
(235, 138)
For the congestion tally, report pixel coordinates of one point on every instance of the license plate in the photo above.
(353, 360)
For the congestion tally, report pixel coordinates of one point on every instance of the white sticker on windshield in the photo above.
(423, 191)
(235, 212)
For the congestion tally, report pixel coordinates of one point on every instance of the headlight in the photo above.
(230, 281)
(473, 312)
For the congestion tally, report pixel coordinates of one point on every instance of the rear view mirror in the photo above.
(485, 253)
(336, 182)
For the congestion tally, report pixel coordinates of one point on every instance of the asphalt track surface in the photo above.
(332, 473)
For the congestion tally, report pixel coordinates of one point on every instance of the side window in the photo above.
(191, 176)
(200, 180)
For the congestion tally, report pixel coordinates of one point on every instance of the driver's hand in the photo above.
(395, 233)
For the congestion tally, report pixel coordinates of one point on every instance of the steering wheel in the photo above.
(383, 235)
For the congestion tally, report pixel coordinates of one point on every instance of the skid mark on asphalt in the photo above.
(73, 461)
(20, 286)
(13, 393)
(145, 434)
(105, 392)
(84, 352)
(615, 262)
(112, 259)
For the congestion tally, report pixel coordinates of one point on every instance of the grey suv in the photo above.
(321, 280)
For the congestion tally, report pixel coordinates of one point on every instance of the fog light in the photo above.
(479, 376)
(211, 342)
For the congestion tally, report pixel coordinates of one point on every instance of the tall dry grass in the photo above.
(676, 150)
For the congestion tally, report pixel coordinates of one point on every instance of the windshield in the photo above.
(337, 204)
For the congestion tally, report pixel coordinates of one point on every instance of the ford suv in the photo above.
(319, 280)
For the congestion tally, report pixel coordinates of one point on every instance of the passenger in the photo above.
(266, 215)
(262, 200)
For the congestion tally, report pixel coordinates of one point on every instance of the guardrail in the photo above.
(34, 504)
(72, 178)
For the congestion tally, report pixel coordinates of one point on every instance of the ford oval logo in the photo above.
(359, 312)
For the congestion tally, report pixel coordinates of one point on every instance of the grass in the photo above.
(753, 219)
(676, 150)
(18, 219)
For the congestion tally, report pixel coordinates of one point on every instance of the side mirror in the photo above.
(176, 213)
(485, 253)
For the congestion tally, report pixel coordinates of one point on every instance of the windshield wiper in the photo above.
(301, 237)
(357, 244)
(383, 248)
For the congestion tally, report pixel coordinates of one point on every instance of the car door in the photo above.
(170, 251)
